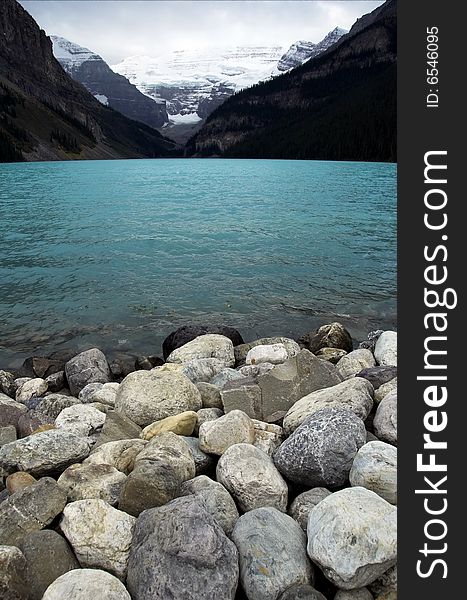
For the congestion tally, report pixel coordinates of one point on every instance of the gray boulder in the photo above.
(44, 452)
(352, 537)
(48, 556)
(81, 482)
(236, 427)
(377, 376)
(356, 394)
(272, 553)
(210, 395)
(120, 454)
(203, 462)
(90, 366)
(12, 574)
(117, 427)
(217, 500)
(385, 389)
(385, 421)
(148, 396)
(251, 477)
(321, 451)
(275, 392)
(7, 435)
(7, 384)
(160, 469)
(30, 509)
(304, 503)
(53, 404)
(201, 370)
(85, 584)
(33, 388)
(353, 362)
(180, 551)
(375, 468)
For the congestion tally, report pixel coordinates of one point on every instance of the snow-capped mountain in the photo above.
(196, 81)
(108, 87)
(302, 51)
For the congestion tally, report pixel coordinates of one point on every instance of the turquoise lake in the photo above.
(117, 254)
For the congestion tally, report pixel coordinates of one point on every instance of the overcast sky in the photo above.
(116, 29)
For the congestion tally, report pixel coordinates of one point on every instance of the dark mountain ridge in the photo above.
(340, 105)
(108, 87)
(46, 115)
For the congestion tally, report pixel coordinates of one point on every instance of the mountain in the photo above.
(195, 82)
(301, 51)
(108, 87)
(46, 115)
(339, 105)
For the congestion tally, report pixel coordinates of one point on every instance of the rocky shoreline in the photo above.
(221, 470)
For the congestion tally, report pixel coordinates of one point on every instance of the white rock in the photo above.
(353, 362)
(270, 353)
(355, 394)
(205, 346)
(252, 478)
(80, 419)
(99, 534)
(148, 396)
(386, 349)
(268, 437)
(33, 388)
(352, 536)
(375, 468)
(233, 428)
(86, 584)
(201, 369)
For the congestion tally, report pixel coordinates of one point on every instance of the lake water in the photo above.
(119, 253)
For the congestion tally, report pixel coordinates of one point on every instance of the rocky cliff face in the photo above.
(108, 87)
(339, 105)
(44, 114)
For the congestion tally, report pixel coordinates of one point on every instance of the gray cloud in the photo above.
(117, 29)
